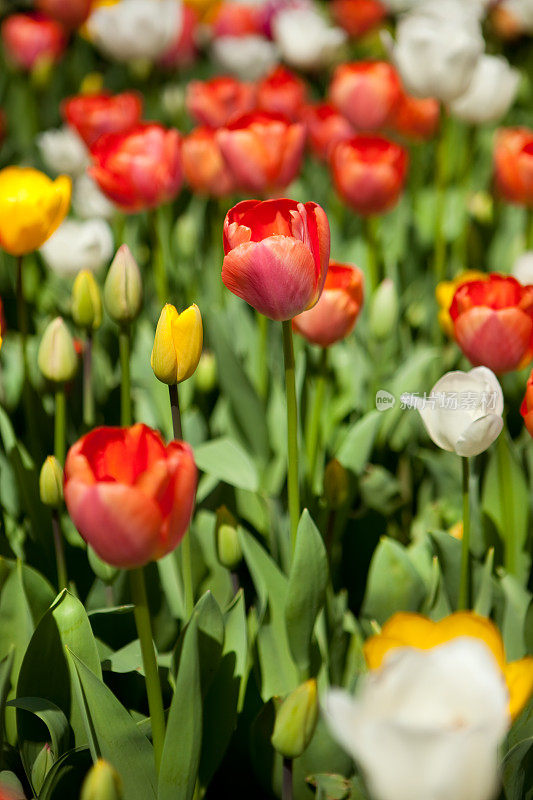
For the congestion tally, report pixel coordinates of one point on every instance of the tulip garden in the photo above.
(266, 399)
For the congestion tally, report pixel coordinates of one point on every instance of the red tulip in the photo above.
(182, 52)
(366, 92)
(358, 17)
(526, 409)
(416, 118)
(282, 92)
(32, 39)
(70, 13)
(236, 19)
(204, 168)
(130, 496)
(325, 127)
(493, 322)
(336, 312)
(140, 168)
(276, 255)
(513, 165)
(369, 173)
(217, 101)
(263, 150)
(92, 115)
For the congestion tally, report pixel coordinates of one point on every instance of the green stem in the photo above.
(292, 431)
(60, 424)
(62, 577)
(160, 273)
(175, 411)
(464, 593)
(371, 232)
(439, 253)
(88, 397)
(125, 388)
(286, 786)
(529, 232)
(504, 473)
(22, 313)
(313, 429)
(151, 673)
(262, 367)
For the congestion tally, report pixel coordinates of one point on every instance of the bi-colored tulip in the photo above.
(140, 168)
(204, 168)
(32, 40)
(177, 344)
(513, 165)
(493, 322)
(336, 312)
(130, 496)
(366, 92)
(414, 630)
(526, 409)
(282, 92)
(369, 173)
(92, 115)
(263, 150)
(325, 127)
(444, 295)
(276, 255)
(215, 102)
(415, 118)
(70, 13)
(358, 17)
(31, 208)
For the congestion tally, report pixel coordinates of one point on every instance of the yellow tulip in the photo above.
(177, 344)
(445, 291)
(206, 9)
(414, 630)
(32, 206)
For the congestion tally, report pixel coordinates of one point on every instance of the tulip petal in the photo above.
(519, 679)
(479, 435)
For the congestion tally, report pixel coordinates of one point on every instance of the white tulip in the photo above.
(88, 201)
(491, 92)
(63, 151)
(78, 245)
(136, 29)
(246, 57)
(427, 724)
(463, 412)
(523, 268)
(437, 48)
(305, 38)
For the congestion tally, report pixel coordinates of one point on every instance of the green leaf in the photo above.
(53, 718)
(393, 583)
(483, 602)
(6, 667)
(512, 623)
(306, 593)
(355, 449)
(448, 550)
(65, 778)
(226, 460)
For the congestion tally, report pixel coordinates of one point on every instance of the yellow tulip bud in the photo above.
(57, 357)
(227, 539)
(177, 344)
(31, 208)
(296, 721)
(384, 310)
(336, 484)
(102, 783)
(51, 483)
(123, 287)
(92, 83)
(86, 301)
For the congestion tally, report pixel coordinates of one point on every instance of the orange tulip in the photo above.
(325, 127)
(203, 166)
(366, 92)
(358, 17)
(415, 118)
(336, 312)
(217, 101)
(282, 92)
(513, 165)
(526, 409)
(130, 496)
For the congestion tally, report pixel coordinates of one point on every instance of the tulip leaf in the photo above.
(306, 592)
(226, 460)
(512, 621)
(181, 752)
(55, 721)
(483, 603)
(355, 449)
(66, 776)
(113, 734)
(6, 667)
(393, 583)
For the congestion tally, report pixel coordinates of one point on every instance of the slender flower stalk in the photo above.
(504, 470)
(371, 233)
(88, 396)
(61, 564)
(160, 273)
(464, 587)
(292, 431)
(125, 385)
(439, 252)
(286, 789)
(60, 423)
(262, 366)
(313, 428)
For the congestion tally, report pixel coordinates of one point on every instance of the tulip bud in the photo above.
(86, 301)
(206, 373)
(296, 721)
(336, 484)
(177, 344)
(102, 783)
(41, 766)
(227, 538)
(57, 357)
(123, 287)
(51, 483)
(384, 310)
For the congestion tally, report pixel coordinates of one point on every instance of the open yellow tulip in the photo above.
(177, 344)
(32, 206)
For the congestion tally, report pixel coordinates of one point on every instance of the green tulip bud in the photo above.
(227, 538)
(51, 483)
(123, 287)
(86, 301)
(384, 310)
(41, 766)
(57, 357)
(336, 484)
(206, 372)
(296, 720)
(102, 783)
(104, 571)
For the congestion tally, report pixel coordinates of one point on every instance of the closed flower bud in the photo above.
(102, 783)
(336, 484)
(227, 538)
(296, 721)
(384, 310)
(206, 373)
(57, 357)
(51, 483)
(177, 344)
(123, 287)
(86, 301)
(41, 766)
